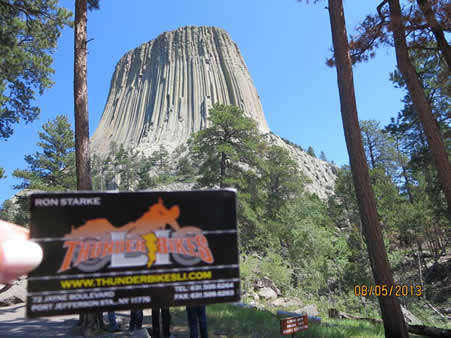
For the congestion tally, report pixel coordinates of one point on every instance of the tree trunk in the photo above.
(421, 104)
(404, 172)
(81, 98)
(89, 322)
(223, 170)
(429, 15)
(420, 270)
(393, 318)
(417, 329)
(429, 331)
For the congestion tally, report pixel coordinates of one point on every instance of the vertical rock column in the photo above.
(161, 91)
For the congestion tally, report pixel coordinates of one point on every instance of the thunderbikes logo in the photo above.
(144, 242)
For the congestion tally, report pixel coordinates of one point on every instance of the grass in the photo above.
(225, 320)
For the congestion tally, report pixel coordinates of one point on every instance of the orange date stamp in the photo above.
(381, 290)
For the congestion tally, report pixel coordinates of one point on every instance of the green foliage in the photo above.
(28, 34)
(410, 206)
(407, 130)
(124, 162)
(16, 210)
(290, 143)
(237, 322)
(280, 178)
(273, 266)
(278, 270)
(230, 139)
(249, 268)
(322, 156)
(143, 169)
(161, 160)
(185, 170)
(305, 234)
(123, 169)
(343, 208)
(7, 211)
(97, 173)
(2, 173)
(289, 229)
(52, 168)
(311, 152)
(93, 4)
(253, 234)
(230, 152)
(379, 147)
(344, 212)
(21, 214)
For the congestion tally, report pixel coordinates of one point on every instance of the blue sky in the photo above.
(284, 44)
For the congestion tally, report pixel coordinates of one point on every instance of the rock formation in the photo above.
(319, 174)
(162, 90)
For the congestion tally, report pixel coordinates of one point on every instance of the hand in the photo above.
(18, 255)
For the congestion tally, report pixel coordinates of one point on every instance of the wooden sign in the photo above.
(292, 325)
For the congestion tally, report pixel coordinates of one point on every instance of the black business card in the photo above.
(121, 250)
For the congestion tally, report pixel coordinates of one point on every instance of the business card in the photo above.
(107, 251)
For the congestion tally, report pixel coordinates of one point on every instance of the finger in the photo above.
(18, 257)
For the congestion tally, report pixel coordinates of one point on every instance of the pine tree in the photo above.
(421, 104)
(143, 168)
(160, 160)
(124, 163)
(411, 28)
(281, 179)
(416, 162)
(228, 153)
(184, 169)
(230, 141)
(394, 323)
(52, 168)
(311, 151)
(29, 31)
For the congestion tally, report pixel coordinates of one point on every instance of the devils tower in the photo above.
(161, 93)
(162, 90)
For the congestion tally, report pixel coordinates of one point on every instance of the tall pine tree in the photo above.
(29, 31)
(230, 140)
(53, 167)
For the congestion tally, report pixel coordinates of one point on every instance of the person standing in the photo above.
(197, 314)
(166, 318)
(136, 320)
(112, 320)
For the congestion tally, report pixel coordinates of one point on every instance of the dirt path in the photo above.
(14, 324)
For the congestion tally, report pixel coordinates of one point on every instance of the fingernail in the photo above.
(18, 257)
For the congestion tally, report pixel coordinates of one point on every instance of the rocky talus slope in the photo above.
(161, 93)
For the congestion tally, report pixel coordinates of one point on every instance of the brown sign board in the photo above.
(293, 324)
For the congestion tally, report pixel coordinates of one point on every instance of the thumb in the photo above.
(17, 257)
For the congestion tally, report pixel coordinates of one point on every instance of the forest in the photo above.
(312, 249)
